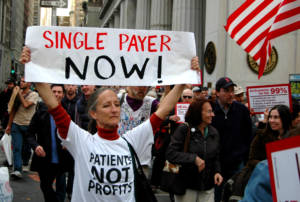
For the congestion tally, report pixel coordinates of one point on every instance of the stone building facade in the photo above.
(15, 16)
(206, 19)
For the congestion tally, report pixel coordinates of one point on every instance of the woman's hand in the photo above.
(39, 151)
(218, 179)
(195, 64)
(266, 115)
(200, 163)
(174, 118)
(25, 55)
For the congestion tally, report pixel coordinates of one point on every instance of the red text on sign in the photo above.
(70, 40)
(151, 43)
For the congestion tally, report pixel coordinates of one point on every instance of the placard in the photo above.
(284, 167)
(181, 109)
(103, 56)
(262, 97)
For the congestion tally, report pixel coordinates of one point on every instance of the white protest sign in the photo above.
(181, 109)
(262, 97)
(284, 167)
(102, 56)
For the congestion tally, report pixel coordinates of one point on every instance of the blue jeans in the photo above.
(18, 133)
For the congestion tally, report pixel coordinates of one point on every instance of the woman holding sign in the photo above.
(103, 162)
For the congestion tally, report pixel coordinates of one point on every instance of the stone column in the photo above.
(117, 20)
(161, 14)
(128, 14)
(143, 13)
(111, 23)
(189, 15)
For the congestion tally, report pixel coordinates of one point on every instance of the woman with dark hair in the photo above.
(200, 164)
(103, 161)
(277, 127)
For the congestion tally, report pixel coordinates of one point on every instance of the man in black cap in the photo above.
(4, 99)
(232, 120)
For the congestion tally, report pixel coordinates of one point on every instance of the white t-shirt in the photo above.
(103, 168)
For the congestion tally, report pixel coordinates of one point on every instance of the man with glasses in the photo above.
(232, 120)
(187, 95)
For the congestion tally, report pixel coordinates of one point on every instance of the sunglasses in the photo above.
(185, 97)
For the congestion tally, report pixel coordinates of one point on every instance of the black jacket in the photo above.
(81, 115)
(235, 131)
(39, 133)
(70, 105)
(206, 148)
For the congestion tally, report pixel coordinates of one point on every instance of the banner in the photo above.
(262, 97)
(102, 56)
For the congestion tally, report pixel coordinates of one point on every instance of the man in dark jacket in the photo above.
(69, 102)
(81, 114)
(50, 159)
(70, 99)
(4, 99)
(232, 120)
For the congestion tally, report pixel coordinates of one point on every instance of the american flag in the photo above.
(256, 22)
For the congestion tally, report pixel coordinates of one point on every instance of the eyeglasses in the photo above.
(209, 111)
(186, 96)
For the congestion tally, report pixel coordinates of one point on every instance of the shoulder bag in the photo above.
(143, 191)
(172, 180)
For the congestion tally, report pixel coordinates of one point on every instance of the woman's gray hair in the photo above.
(93, 99)
(91, 106)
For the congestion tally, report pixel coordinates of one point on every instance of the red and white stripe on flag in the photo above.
(256, 22)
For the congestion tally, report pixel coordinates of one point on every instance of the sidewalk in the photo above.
(25, 189)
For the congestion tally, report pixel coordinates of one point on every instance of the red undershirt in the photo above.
(63, 120)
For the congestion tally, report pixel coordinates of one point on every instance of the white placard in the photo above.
(286, 173)
(262, 97)
(284, 166)
(102, 56)
(181, 109)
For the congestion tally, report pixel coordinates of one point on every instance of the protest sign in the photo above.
(180, 110)
(103, 56)
(284, 167)
(262, 97)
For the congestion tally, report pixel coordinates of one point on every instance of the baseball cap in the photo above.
(197, 89)
(10, 80)
(224, 82)
(238, 90)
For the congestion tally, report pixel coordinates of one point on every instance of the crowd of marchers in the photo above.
(64, 133)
